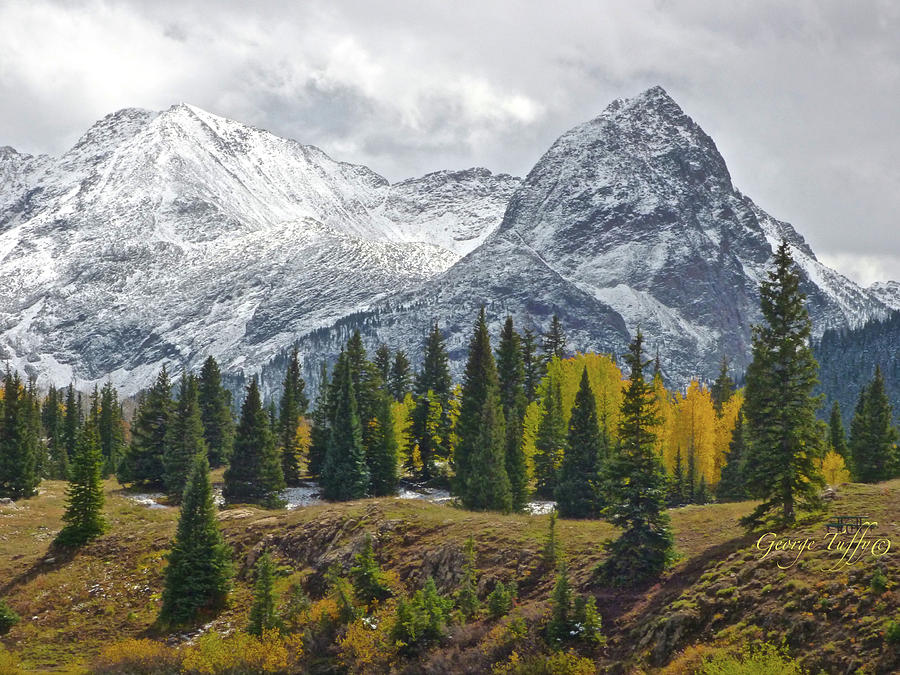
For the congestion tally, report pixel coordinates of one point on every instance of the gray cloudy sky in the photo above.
(802, 98)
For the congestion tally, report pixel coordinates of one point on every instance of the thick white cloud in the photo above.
(802, 97)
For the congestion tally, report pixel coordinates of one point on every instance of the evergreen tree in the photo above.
(577, 494)
(560, 626)
(550, 441)
(722, 388)
(433, 393)
(635, 486)
(872, 435)
(425, 433)
(690, 482)
(487, 484)
(781, 432)
(501, 599)
(554, 343)
(215, 413)
(511, 377)
(198, 576)
(370, 583)
(480, 385)
(320, 431)
(382, 361)
(112, 430)
(731, 487)
(84, 495)
(184, 438)
(345, 474)
(531, 364)
(367, 386)
(467, 594)
(263, 615)
(293, 406)
(52, 416)
(382, 458)
(551, 552)
(143, 462)
(676, 496)
(254, 475)
(36, 430)
(836, 435)
(19, 476)
(71, 426)
(399, 379)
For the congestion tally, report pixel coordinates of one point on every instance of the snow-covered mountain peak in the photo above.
(169, 236)
(630, 220)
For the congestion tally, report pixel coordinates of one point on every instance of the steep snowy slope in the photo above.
(888, 292)
(169, 236)
(636, 211)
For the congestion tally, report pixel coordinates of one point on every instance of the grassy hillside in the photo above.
(720, 593)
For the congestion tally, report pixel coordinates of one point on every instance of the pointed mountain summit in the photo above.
(628, 220)
(165, 237)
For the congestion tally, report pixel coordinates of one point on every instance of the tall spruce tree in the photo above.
(254, 475)
(382, 361)
(577, 494)
(382, 458)
(431, 422)
(19, 476)
(143, 462)
(83, 518)
(480, 385)
(111, 429)
(36, 429)
(184, 438)
(531, 364)
(71, 424)
(293, 406)
(554, 342)
(873, 437)
(425, 434)
(635, 486)
(511, 377)
(781, 433)
(837, 437)
(487, 483)
(263, 613)
(215, 412)
(198, 576)
(676, 492)
(550, 441)
(722, 388)
(367, 386)
(52, 416)
(732, 486)
(320, 429)
(345, 474)
(399, 379)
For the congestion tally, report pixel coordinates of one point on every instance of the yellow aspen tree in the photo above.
(665, 406)
(606, 382)
(834, 469)
(724, 429)
(693, 431)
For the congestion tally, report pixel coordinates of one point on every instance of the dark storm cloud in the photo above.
(802, 98)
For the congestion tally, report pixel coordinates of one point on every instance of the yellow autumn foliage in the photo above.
(834, 468)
